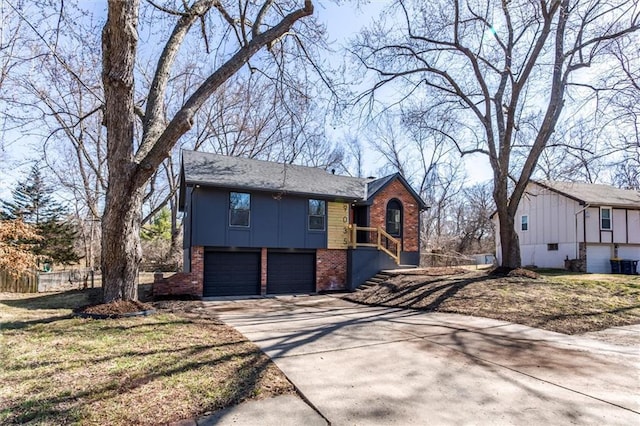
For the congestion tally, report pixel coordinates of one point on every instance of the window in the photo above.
(316, 215)
(605, 218)
(239, 209)
(552, 247)
(524, 223)
(394, 218)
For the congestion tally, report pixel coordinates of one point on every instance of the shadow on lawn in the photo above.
(66, 407)
(69, 299)
(240, 367)
(414, 296)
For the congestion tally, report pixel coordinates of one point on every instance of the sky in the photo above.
(343, 21)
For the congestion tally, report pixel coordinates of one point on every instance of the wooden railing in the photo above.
(375, 237)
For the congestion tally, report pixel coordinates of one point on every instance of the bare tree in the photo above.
(131, 165)
(500, 71)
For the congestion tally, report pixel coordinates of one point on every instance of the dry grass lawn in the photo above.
(559, 301)
(177, 364)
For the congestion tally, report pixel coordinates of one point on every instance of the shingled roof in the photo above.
(243, 173)
(595, 194)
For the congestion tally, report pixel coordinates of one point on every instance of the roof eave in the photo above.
(349, 197)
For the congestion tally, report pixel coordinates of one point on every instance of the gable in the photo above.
(377, 186)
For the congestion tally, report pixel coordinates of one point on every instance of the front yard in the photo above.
(177, 364)
(181, 363)
(558, 301)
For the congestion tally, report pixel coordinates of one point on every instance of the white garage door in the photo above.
(629, 252)
(598, 259)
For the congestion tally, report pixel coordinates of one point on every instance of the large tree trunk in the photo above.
(506, 210)
(509, 241)
(121, 252)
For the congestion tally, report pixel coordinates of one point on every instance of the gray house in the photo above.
(256, 227)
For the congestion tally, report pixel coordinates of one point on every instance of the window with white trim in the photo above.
(524, 222)
(605, 218)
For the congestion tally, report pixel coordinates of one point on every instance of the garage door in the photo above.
(598, 259)
(231, 273)
(629, 252)
(290, 273)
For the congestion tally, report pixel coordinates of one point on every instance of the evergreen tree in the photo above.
(34, 204)
(159, 228)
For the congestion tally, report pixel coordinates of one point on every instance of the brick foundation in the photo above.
(331, 269)
(183, 283)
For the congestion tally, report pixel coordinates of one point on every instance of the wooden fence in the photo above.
(47, 281)
(26, 283)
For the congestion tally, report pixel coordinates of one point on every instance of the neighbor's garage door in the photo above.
(629, 252)
(598, 259)
(289, 273)
(231, 273)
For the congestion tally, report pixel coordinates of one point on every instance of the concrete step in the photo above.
(377, 279)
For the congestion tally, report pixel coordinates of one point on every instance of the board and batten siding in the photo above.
(337, 225)
(552, 220)
(625, 226)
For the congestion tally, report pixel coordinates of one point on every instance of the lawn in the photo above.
(177, 364)
(564, 302)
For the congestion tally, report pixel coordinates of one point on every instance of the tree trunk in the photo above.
(121, 251)
(509, 241)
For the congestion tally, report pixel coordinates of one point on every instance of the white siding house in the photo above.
(587, 223)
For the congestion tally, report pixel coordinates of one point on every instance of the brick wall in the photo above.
(410, 213)
(183, 283)
(263, 271)
(331, 269)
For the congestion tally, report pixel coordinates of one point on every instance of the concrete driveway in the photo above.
(360, 365)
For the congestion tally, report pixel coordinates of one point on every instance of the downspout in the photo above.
(584, 236)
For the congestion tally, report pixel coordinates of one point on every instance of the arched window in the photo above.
(394, 218)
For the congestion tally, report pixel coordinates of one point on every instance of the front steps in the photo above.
(378, 278)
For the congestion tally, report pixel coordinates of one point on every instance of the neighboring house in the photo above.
(256, 227)
(586, 223)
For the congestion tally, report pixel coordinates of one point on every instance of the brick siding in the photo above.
(183, 283)
(410, 213)
(331, 269)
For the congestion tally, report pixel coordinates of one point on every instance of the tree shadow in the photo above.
(64, 300)
(70, 299)
(17, 325)
(503, 351)
(242, 364)
(418, 296)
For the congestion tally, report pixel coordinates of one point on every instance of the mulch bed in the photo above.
(115, 309)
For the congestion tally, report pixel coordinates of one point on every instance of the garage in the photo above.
(290, 273)
(598, 257)
(630, 252)
(231, 273)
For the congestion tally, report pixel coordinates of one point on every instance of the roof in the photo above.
(243, 173)
(595, 194)
(375, 186)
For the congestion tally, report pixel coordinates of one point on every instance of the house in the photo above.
(255, 227)
(587, 224)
